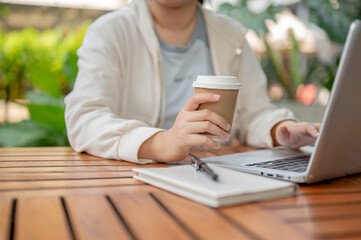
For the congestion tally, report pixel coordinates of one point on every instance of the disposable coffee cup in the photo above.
(225, 86)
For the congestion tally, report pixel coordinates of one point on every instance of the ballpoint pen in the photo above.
(201, 166)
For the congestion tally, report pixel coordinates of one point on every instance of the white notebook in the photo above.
(231, 188)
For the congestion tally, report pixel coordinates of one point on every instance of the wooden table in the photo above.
(56, 193)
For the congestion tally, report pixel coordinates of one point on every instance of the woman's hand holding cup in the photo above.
(207, 116)
(175, 143)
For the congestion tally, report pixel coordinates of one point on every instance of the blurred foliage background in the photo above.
(38, 67)
(41, 67)
(284, 67)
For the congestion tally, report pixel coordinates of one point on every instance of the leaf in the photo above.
(44, 79)
(50, 116)
(296, 76)
(29, 134)
(254, 21)
(44, 99)
(277, 62)
(47, 110)
(70, 69)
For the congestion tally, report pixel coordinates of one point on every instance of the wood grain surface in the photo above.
(57, 193)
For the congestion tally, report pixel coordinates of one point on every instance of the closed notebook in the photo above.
(231, 188)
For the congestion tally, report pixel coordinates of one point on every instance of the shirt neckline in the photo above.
(194, 37)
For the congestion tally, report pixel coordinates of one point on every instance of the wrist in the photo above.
(275, 130)
(152, 148)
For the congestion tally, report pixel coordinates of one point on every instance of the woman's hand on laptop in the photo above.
(295, 134)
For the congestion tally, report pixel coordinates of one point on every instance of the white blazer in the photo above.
(118, 96)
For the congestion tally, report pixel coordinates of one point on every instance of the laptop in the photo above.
(337, 151)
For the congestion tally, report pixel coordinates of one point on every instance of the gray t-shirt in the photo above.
(181, 66)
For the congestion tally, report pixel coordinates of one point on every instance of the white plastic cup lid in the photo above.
(217, 82)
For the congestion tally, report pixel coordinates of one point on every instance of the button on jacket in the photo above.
(118, 96)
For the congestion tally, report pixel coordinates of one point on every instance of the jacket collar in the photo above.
(226, 39)
(146, 26)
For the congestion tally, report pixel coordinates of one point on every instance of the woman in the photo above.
(133, 97)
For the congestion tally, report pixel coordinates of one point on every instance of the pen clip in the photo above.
(195, 163)
(201, 166)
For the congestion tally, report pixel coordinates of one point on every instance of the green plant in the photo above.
(29, 133)
(286, 66)
(41, 68)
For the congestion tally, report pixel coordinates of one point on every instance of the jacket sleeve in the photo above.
(92, 108)
(255, 114)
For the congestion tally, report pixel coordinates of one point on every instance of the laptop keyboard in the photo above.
(293, 164)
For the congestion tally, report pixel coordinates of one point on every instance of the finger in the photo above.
(199, 98)
(312, 130)
(318, 126)
(207, 115)
(198, 139)
(208, 127)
